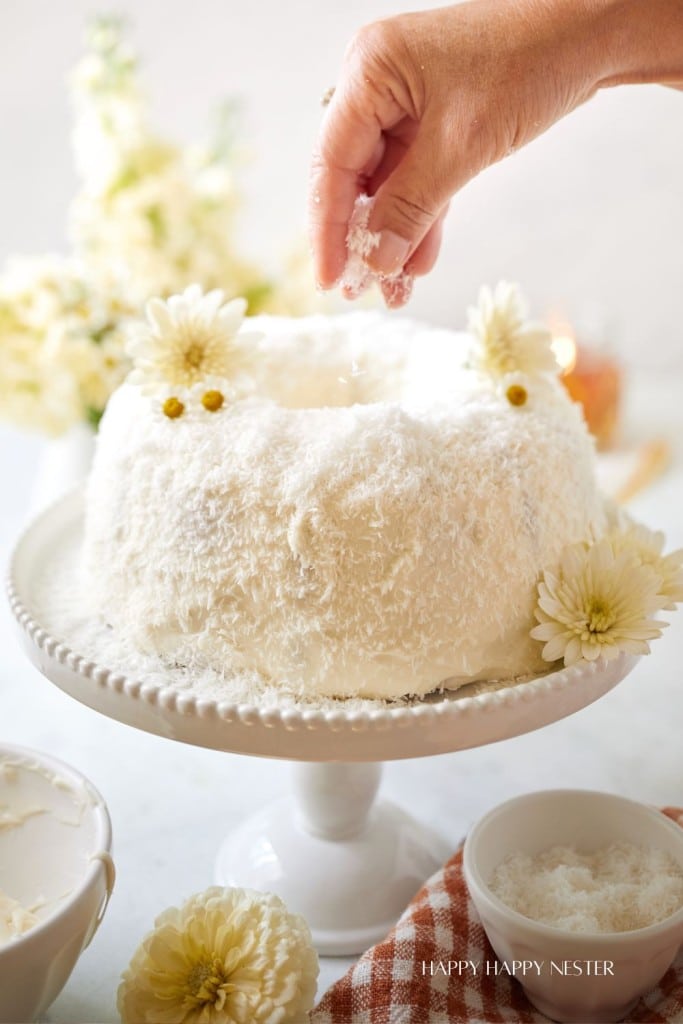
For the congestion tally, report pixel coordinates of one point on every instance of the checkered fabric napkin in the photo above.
(389, 984)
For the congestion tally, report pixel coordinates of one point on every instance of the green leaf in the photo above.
(257, 296)
(93, 416)
(155, 217)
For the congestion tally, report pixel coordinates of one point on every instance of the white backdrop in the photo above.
(589, 217)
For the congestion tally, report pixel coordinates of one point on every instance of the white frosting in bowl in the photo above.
(56, 877)
(14, 919)
(48, 838)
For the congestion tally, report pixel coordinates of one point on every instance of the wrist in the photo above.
(642, 41)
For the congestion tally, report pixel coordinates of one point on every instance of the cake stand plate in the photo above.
(333, 828)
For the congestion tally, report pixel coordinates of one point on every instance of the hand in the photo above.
(426, 101)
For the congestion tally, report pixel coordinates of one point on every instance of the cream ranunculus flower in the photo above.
(227, 956)
(599, 603)
(506, 342)
(189, 338)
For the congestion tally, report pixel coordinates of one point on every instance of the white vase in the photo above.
(64, 463)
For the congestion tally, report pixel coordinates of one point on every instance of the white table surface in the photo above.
(172, 804)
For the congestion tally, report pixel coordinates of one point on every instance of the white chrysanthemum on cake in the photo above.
(597, 604)
(233, 956)
(647, 545)
(607, 594)
(191, 348)
(506, 343)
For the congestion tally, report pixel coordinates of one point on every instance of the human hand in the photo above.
(426, 101)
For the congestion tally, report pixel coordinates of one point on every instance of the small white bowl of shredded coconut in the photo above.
(581, 896)
(56, 876)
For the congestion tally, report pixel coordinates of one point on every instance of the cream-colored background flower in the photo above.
(188, 339)
(599, 603)
(149, 217)
(152, 215)
(506, 342)
(226, 956)
(62, 344)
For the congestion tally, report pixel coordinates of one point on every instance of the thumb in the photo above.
(408, 204)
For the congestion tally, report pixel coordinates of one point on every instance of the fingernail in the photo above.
(327, 286)
(397, 290)
(390, 255)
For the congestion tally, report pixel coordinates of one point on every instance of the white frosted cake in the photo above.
(357, 505)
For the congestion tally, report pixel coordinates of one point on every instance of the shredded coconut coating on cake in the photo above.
(370, 520)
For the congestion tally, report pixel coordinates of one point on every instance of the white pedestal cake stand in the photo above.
(348, 863)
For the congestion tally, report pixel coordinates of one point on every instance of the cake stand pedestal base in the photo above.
(348, 864)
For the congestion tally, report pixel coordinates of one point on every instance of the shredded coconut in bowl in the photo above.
(617, 888)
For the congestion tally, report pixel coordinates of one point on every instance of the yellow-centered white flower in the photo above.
(600, 602)
(188, 339)
(227, 956)
(506, 342)
(647, 545)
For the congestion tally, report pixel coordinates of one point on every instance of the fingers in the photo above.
(350, 146)
(409, 203)
(397, 290)
(425, 256)
(333, 192)
(409, 207)
(377, 138)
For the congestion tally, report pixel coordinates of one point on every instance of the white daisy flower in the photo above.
(174, 404)
(516, 388)
(600, 603)
(506, 342)
(212, 394)
(196, 403)
(189, 338)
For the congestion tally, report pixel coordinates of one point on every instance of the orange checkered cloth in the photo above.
(390, 985)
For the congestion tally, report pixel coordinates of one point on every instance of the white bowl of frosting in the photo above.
(56, 877)
(581, 896)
